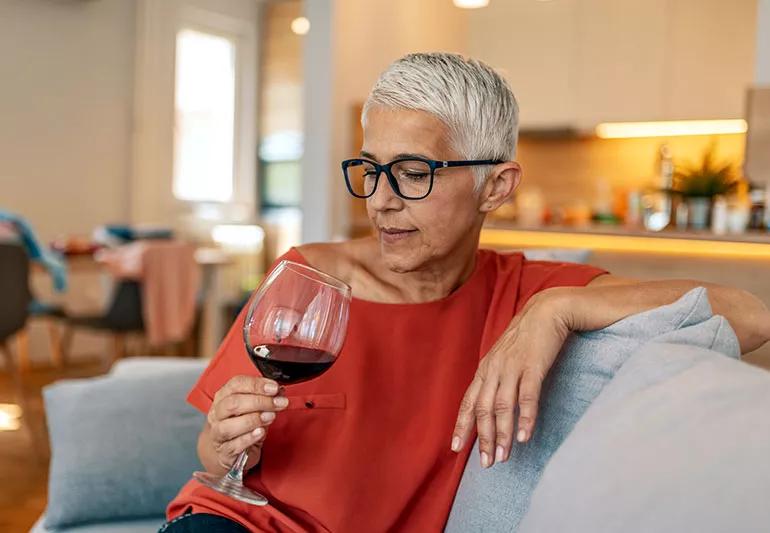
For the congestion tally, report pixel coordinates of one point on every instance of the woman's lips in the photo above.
(392, 235)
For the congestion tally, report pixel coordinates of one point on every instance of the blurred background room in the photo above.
(156, 151)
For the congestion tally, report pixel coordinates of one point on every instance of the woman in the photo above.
(444, 340)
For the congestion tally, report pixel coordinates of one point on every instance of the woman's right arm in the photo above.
(238, 420)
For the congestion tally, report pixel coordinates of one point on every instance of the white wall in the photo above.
(366, 37)
(65, 111)
(762, 62)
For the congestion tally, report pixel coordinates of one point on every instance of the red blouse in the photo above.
(365, 446)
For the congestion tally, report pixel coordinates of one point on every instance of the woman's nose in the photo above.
(384, 196)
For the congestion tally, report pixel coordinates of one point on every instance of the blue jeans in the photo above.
(201, 523)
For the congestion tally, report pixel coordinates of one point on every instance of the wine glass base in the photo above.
(231, 487)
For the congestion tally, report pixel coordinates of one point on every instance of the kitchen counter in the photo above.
(502, 234)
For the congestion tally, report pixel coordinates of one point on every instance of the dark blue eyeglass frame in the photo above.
(386, 168)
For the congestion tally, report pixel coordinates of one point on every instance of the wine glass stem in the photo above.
(236, 471)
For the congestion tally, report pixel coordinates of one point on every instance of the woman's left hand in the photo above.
(511, 376)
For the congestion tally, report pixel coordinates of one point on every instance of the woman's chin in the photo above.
(399, 260)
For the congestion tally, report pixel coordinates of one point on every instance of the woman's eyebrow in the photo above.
(373, 157)
(406, 156)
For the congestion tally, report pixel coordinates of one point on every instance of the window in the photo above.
(204, 130)
(280, 163)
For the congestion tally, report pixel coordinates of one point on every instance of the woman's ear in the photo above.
(500, 185)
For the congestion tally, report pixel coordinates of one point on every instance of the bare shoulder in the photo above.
(343, 260)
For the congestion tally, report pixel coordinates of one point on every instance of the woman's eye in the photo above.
(414, 175)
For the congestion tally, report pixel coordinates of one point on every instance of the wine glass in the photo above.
(294, 330)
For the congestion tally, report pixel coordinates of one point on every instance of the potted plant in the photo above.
(700, 183)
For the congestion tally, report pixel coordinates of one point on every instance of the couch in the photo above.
(652, 424)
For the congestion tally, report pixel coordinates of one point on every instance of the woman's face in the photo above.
(412, 233)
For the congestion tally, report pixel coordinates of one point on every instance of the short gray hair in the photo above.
(474, 101)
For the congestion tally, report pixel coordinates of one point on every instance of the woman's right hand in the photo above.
(239, 418)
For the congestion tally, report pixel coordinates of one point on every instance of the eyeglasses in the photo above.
(410, 179)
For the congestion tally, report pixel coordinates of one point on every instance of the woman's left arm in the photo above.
(511, 374)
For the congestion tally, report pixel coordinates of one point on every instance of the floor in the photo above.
(24, 466)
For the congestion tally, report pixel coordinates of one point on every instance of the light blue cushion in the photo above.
(121, 445)
(497, 498)
(678, 441)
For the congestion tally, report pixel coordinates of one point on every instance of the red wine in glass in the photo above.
(290, 364)
(294, 330)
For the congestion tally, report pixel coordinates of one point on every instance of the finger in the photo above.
(229, 450)
(465, 418)
(485, 417)
(235, 427)
(241, 404)
(505, 405)
(248, 385)
(529, 399)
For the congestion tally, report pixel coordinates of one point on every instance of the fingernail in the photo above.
(499, 454)
(521, 436)
(281, 401)
(484, 460)
(271, 388)
(267, 416)
(258, 433)
(456, 444)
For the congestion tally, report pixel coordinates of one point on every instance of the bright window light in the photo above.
(242, 236)
(471, 4)
(204, 131)
(9, 417)
(622, 130)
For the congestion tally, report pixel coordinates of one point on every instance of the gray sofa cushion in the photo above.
(154, 365)
(121, 445)
(145, 525)
(678, 441)
(496, 499)
(564, 255)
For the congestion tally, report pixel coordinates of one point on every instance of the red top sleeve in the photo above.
(540, 275)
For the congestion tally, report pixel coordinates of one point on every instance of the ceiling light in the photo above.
(622, 130)
(471, 4)
(300, 25)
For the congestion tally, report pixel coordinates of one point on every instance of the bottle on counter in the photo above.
(657, 203)
(767, 208)
(633, 216)
(757, 215)
(719, 215)
(738, 209)
(682, 215)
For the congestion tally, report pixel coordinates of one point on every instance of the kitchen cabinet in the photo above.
(575, 63)
(710, 63)
(532, 44)
(619, 57)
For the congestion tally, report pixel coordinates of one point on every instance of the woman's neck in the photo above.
(435, 280)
